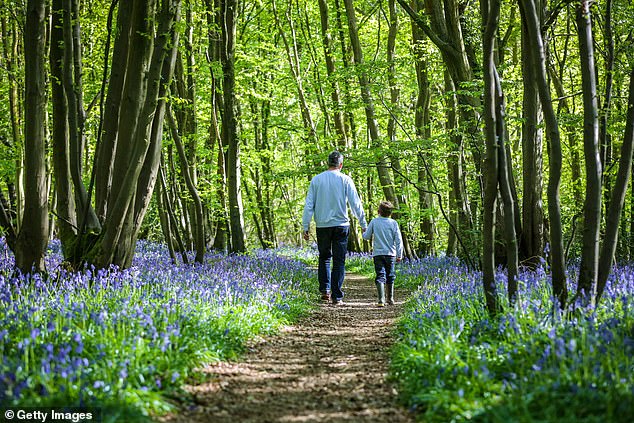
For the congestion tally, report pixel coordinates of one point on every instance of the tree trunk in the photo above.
(618, 196)
(109, 142)
(373, 127)
(399, 181)
(11, 56)
(73, 92)
(149, 71)
(490, 20)
(330, 69)
(558, 265)
(186, 171)
(588, 271)
(173, 224)
(605, 138)
(230, 134)
(65, 207)
(33, 237)
(532, 238)
(423, 135)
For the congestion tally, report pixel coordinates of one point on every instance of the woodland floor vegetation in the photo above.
(453, 362)
(229, 337)
(126, 340)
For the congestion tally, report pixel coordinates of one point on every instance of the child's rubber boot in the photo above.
(380, 289)
(390, 293)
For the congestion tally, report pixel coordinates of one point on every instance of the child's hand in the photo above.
(398, 260)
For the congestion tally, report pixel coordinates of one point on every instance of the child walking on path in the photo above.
(387, 248)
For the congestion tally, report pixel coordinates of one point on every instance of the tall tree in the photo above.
(230, 134)
(446, 32)
(65, 204)
(535, 40)
(618, 196)
(423, 134)
(532, 236)
(497, 171)
(335, 93)
(128, 160)
(33, 236)
(187, 171)
(592, 205)
(382, 165)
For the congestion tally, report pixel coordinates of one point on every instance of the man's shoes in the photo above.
(325, 297)
(380, 304)
(337, 303)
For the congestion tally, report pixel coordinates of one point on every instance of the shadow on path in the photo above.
(329, 367)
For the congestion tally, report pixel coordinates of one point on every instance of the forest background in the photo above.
(502, 131)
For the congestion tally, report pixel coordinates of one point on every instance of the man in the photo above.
(327, 199)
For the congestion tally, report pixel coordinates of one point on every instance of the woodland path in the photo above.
(330, 366)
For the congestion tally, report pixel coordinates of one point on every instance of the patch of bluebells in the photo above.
(122, 336)
(453, 362)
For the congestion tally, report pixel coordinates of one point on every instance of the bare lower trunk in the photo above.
(618, 196)
(589, 268)
(558, 269)
(33, 237)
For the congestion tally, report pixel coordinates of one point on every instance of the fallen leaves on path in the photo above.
(329, 367)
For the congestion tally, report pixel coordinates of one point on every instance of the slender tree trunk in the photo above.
(330, 69)
(490, 19)
(11, 50)
(109, 142)
(73, 92)
(391, 127)
(170, 214)
(618, 196)
(558, 266)
(294, 62)
(373, 127)
(33, 237)
(230, 126)
(220, 215)
(605, 138)
(588, 271)
(186, 171)
(532, 239)
(65, 206)
(423, 135)
(164, 219)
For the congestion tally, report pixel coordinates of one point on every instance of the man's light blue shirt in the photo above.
(326, 201)
(387, 237)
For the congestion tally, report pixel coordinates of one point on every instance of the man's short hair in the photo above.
(335, 159)
(385, 208)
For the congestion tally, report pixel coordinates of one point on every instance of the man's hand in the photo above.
(306, 236)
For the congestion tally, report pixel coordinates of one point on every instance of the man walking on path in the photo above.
(327, 199)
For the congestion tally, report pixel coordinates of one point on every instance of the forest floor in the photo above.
(330, 366)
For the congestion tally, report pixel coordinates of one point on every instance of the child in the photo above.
(387, 247)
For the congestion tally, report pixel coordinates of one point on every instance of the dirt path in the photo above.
(329, 367)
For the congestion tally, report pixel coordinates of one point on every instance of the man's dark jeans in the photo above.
(384, 268)
(332, 243)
